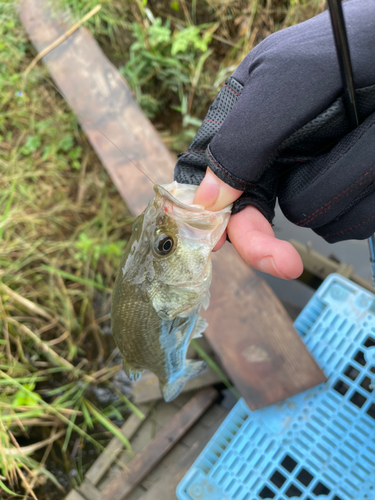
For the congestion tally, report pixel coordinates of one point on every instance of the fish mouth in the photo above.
(182, 196)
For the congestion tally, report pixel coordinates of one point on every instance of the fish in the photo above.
(162, 282)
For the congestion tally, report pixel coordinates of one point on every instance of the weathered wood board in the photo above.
(320, 266)
(248, 328)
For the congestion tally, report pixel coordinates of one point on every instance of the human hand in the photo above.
(278, 129)
(249, 231)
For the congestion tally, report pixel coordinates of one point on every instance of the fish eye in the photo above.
(164, 244)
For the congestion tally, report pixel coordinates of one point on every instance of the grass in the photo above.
(63, 226)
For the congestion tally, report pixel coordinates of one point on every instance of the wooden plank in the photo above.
(89, 491)
(147, 387)
(103, 103)
(254, 337)
(171, 457)
(144, 462)
(212, 415)
(165, 487)
(104, 461)
(74, 495)
(248, 328)
(137, 493)
(321, 266)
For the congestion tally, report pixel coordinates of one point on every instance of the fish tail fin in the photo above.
(171, 390)
(131, 372)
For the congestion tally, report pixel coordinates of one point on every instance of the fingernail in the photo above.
(267, 265)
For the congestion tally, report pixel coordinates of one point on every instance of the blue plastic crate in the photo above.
(319, 444)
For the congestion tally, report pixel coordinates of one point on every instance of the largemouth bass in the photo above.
(163, 280)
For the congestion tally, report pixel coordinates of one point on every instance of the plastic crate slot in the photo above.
(270, 446)
(347, 417)
(318, 421)
(369, 342)
(251, 455)
(341, 463)
(341, 387)
(259, 461)
(329, 442)
(313, 429)
(304, 477)
(360, 358)
(370, 462)
(223, 478)
(351, 372)
(334, 434)
(323, 449)
(320, 489)
(371, 411)
(330, 407)
(367, 384)
(336, 498)
(362, 430)
(266, 493)
(293, 491)
(277, 479)
(302, 443)
(238, 491)
(335, 471)
(322, 413)
(241, 470)
(206, 469)
(230, 485)
(338, 426)
(289, 464)
(358, 400)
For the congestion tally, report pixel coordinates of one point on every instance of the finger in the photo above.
(213, 194)
(252, 236)
(221, 242)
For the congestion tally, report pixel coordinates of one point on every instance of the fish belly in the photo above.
(149, 343)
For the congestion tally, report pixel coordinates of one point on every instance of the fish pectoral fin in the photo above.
(170, 302)
(206, 300)
(172, 389)
(131, 372)
(199, 328)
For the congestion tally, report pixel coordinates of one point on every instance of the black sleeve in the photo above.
(283, 105)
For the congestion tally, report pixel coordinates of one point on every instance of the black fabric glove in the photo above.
(278, 128)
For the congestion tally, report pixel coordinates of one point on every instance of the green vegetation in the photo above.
(63, 226)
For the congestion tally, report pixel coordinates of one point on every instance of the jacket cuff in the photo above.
(223, 174)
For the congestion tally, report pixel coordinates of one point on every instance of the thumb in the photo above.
(213, 194)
